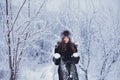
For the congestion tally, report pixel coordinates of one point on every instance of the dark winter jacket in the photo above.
(67, 55)
(67, 69)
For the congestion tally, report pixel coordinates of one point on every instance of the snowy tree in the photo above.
(30, 29)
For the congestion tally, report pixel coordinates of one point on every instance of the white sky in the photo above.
(56, 5)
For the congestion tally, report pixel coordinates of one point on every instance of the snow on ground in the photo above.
(42, 73)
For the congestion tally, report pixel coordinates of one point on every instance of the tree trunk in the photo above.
(12, 73)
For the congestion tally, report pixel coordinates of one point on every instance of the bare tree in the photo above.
(15, 40)
(29, 8)
(110, 56)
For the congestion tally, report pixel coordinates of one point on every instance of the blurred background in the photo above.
(29, 30)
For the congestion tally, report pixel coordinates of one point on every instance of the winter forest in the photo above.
(29, 30)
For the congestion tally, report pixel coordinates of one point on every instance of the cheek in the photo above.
(64, 39)
(68, 39)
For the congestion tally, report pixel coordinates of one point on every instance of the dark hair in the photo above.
(64, 34)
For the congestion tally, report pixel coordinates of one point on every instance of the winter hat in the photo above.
(65, 33)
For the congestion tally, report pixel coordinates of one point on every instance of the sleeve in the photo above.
(75, 56)
(57, 48)
(56, 56)
(75, 48)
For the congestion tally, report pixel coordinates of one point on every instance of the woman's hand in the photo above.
(56, 58)
(75, 55)
(75, 58)
(56, 55)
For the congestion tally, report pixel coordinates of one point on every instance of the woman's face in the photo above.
(66, 39)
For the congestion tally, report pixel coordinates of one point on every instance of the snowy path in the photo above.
(42, 73)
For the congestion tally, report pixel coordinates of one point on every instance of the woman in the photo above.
(66, 57)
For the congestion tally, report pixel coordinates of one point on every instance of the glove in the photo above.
(75, 58)
(75, 55)
(56, 55)
(56, 58)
